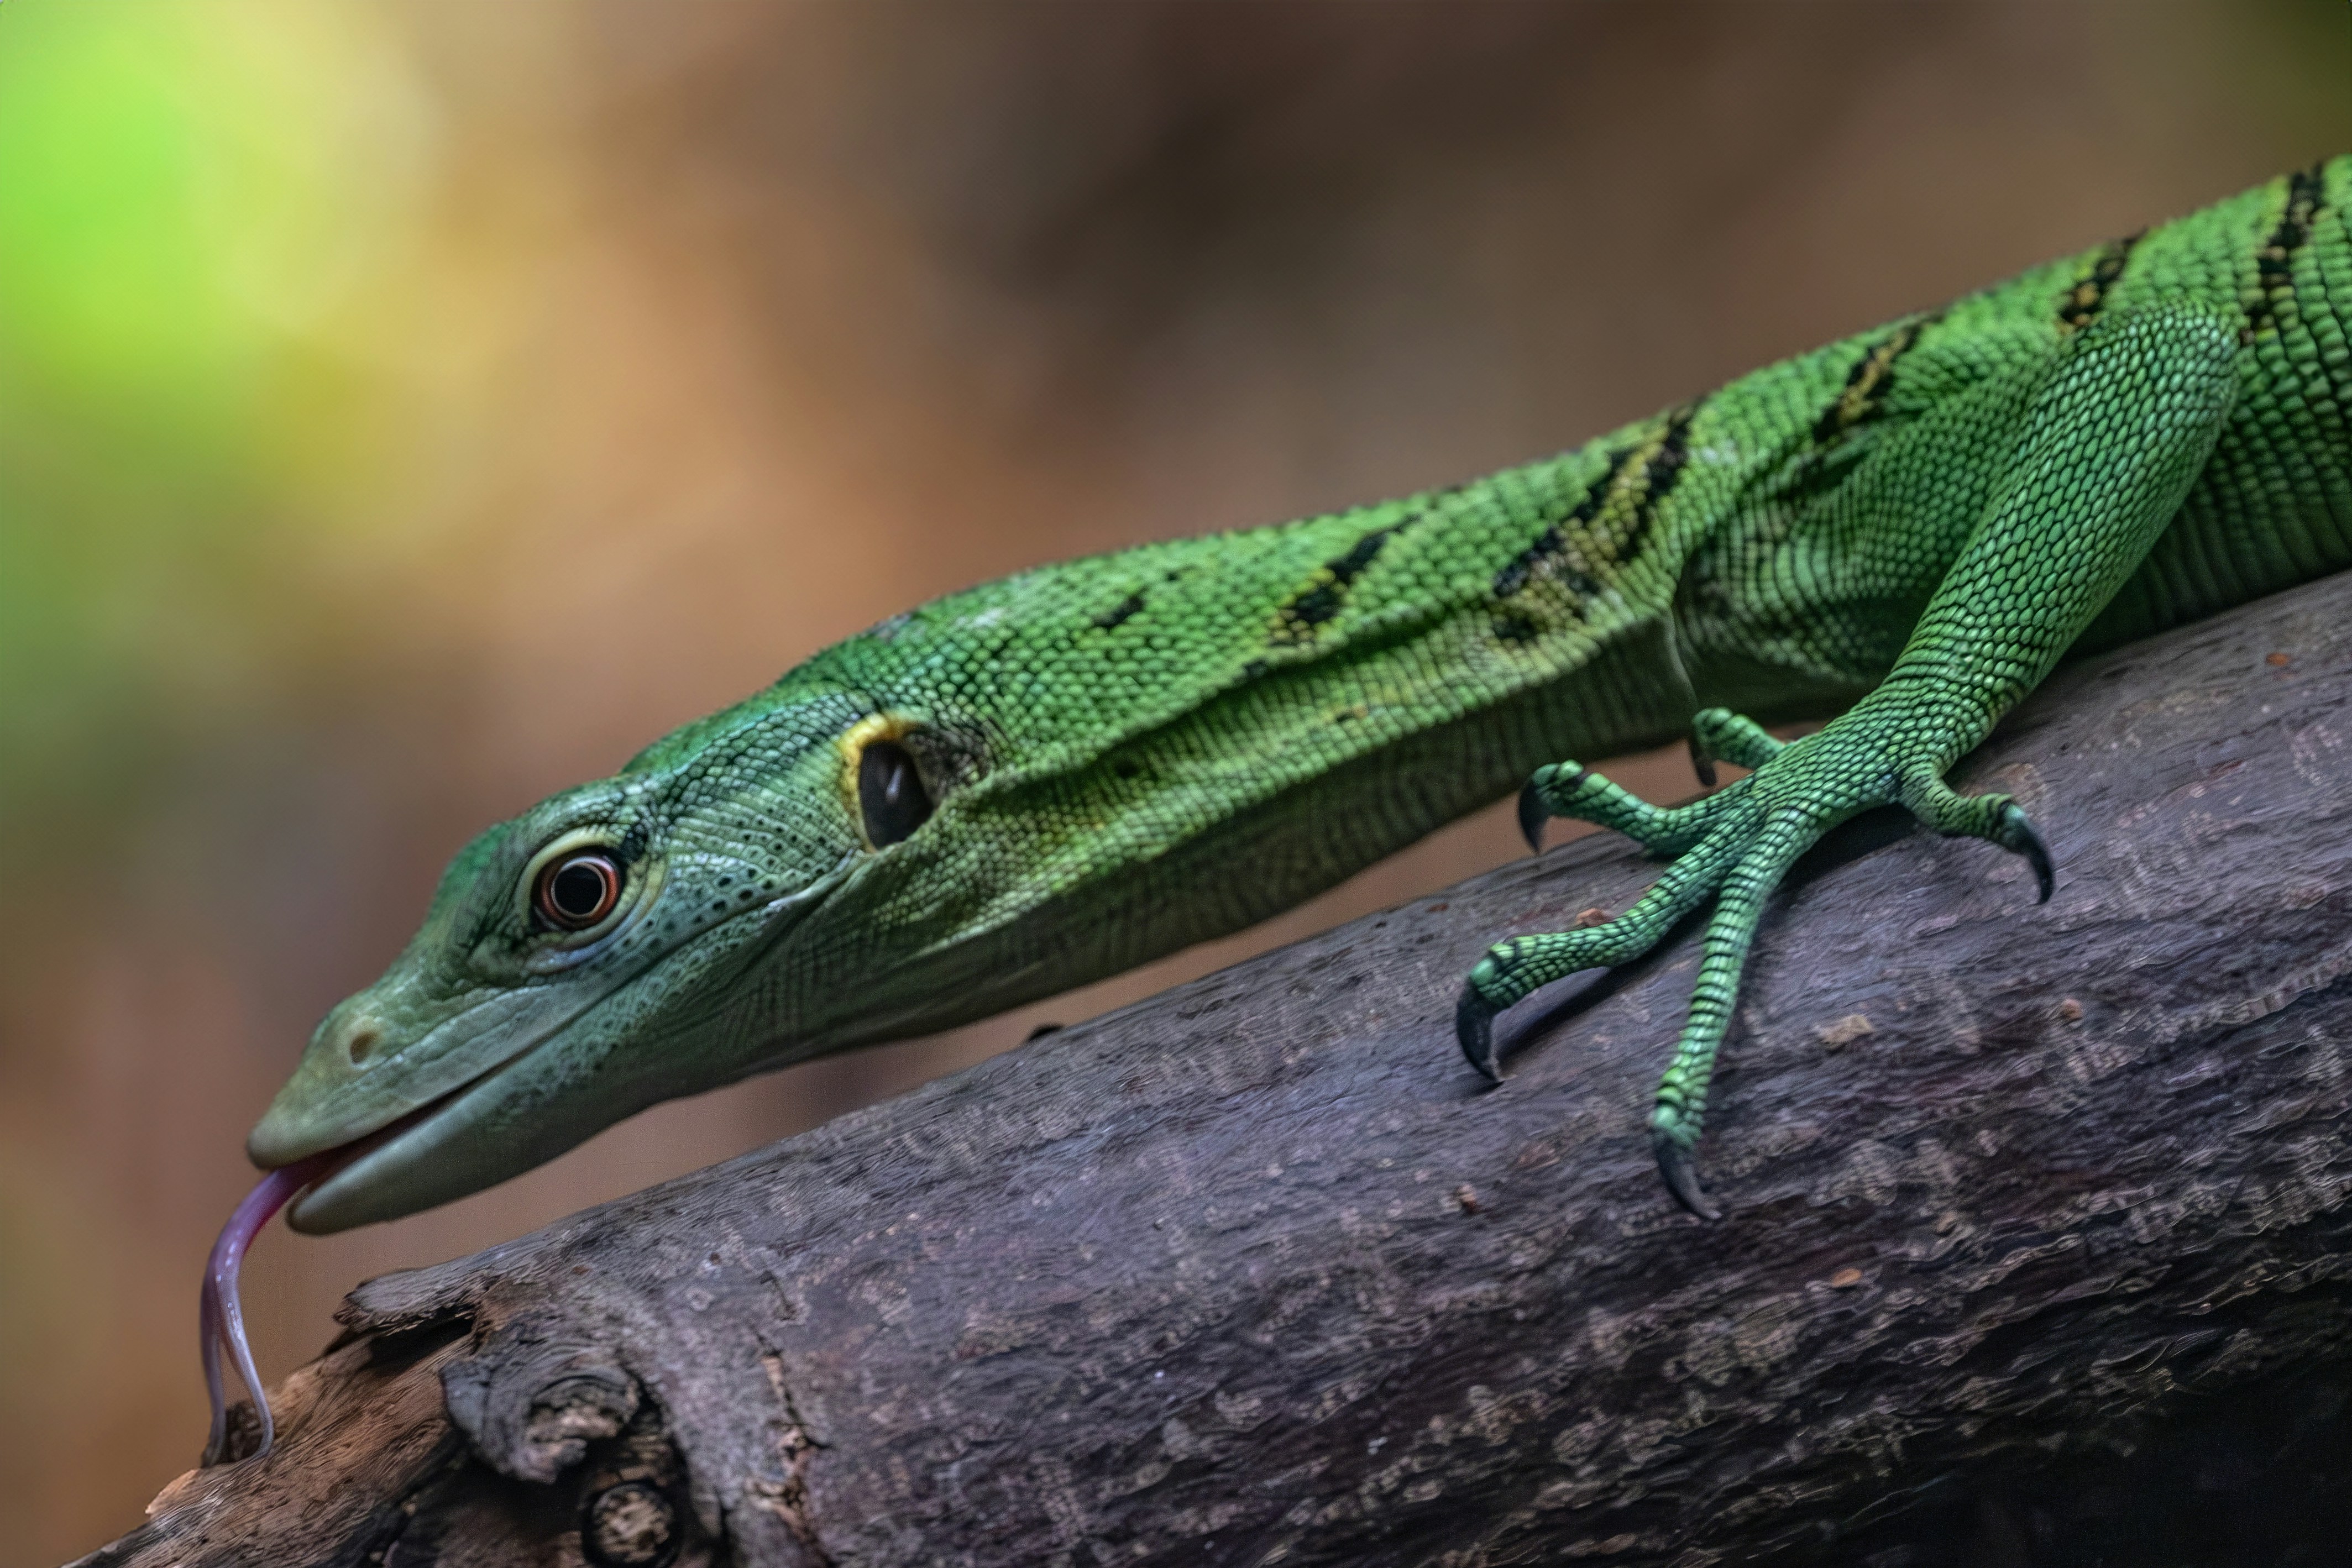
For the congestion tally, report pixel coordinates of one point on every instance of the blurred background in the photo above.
(407, 409)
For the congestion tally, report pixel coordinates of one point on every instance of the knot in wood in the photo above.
(530, 1405)
(631, 1525)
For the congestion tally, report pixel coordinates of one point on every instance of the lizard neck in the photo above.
(1189, 737)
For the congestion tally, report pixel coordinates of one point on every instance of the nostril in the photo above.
(361, 1044)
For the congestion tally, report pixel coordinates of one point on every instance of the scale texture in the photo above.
(1017, 788)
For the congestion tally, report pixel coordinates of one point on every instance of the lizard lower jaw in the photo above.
(369, 1180)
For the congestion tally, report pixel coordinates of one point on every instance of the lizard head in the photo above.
(585, 959)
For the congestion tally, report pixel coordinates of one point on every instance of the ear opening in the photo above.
(892, 800)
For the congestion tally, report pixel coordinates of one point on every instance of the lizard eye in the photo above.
(891, 793)
(576, 891)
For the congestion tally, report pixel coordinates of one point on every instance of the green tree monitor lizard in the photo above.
(1045, 779)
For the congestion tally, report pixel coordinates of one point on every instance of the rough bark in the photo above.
(2036, 1238)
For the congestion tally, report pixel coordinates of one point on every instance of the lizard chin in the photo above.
(354, 1176)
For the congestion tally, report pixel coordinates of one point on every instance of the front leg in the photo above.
(2097, 464)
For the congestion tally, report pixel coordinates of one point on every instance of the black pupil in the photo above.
(891, 793)
(578, 891)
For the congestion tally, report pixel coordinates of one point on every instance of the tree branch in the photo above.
(2031, 1212)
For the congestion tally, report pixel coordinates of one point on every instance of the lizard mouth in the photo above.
(349, 1169)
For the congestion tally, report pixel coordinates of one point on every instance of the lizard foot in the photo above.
(1732, 846)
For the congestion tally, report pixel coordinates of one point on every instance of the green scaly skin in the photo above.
(1142, 750)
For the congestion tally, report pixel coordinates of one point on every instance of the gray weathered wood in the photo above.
(1258, 1271)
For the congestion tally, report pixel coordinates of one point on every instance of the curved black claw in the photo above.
(1682, 1176)
(1702, 764)
(2036, 850)
(1474, 1026)
(1533, 815)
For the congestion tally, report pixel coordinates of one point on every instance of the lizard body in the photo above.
(1047, 778)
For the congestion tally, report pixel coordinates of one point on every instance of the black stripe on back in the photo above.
(1868, 383)
(1327, 591)
(1660, 474)
(2080, 305)
(1551, 545)
(1644, 489)
(2306, 192)
(1117, 615)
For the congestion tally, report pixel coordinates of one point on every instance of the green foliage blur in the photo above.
(199, 207)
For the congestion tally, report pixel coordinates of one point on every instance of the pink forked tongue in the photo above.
(221, 1319)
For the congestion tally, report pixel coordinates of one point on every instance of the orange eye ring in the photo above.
(578, 891)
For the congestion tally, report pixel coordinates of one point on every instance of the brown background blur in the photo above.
(747, 326)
